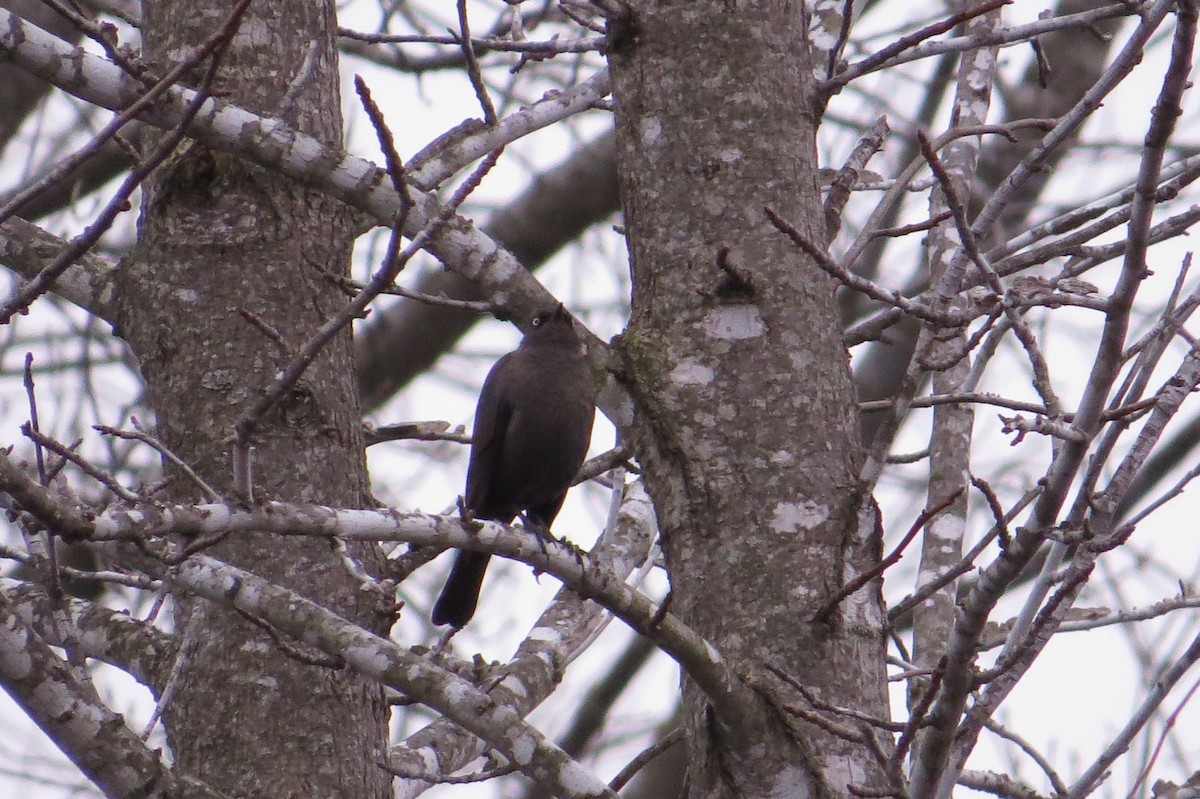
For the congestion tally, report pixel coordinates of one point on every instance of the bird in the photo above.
(533, 425)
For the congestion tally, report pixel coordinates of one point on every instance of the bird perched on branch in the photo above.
(533, 424)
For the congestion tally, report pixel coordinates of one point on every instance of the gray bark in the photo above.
(218, 235)
(746, 422)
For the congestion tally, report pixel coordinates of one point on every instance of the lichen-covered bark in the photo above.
(950, 442)
(218, 235)
(746, 419)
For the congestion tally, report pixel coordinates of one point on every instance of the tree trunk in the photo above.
(218, 236)
(746, 421)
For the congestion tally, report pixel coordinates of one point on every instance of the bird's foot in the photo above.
(541, 532)
(468, 517)
(443, 642)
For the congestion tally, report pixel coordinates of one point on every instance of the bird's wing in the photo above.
(492, 416)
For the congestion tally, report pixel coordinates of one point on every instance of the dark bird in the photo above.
(533, 424)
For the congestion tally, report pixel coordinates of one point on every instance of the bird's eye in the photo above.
(537, 321)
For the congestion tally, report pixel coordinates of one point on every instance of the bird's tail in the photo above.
(456, 605)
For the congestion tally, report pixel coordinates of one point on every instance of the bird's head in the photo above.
(553, 327)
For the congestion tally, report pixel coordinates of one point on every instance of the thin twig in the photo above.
(475, 306)
(1060, 788)
(905, 606)
(993, 502)
(146, 438)
(829, 266)
(481, 93)
(60, 449)
(835, 52)
(858, 582)
(1162, 739)
(970, 246)
(394, 261)
(183, 653)
(917, 715)
(1086, 782)
(644, 757)
(214, 45)
(1018, 34)
(885, 54)
(480, 45)
(972, 397)
(31, 395)
(916, 227)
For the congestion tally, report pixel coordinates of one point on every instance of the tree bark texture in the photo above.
(217, 237)
(745, 411)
